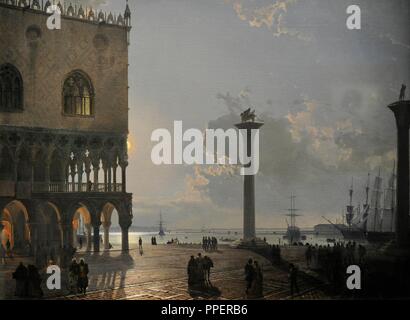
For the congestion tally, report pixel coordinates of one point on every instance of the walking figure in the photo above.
(402, 92)
(191, 270)
(204, 243)
(200, 271)
(140, 246)
(83, 277)
(20, 275)
(73, 273)
(293, 279)
(208, 264)
(258, 282)
(249, 275)
(34, 282)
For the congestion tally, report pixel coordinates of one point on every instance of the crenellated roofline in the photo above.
(86, 14)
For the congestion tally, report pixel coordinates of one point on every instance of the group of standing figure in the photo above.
(199, 271)
(28, 281)
(209, 244)
(334, 260)
(154, 241)
(254, 279)
(78, 277)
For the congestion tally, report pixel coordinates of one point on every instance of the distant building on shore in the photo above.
(327, 229)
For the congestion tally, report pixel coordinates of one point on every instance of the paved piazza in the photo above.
(160, 273)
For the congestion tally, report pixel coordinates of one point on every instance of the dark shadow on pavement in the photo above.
(207, 291)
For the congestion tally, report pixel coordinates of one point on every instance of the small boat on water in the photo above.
(227, 239)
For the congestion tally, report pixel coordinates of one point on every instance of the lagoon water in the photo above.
(195, 237)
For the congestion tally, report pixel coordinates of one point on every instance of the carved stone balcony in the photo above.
(41, 187)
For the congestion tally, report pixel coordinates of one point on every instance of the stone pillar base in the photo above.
(250, 244)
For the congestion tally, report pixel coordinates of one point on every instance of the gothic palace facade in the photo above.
(63, 126)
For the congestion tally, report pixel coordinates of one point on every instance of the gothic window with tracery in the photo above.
(11, 89)
(78, 95)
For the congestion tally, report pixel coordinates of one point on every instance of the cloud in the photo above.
(236, 104)
(324, 108)
(313, 151)
(271, 16)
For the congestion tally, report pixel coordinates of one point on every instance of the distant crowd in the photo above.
(209, 244)
(333, 260)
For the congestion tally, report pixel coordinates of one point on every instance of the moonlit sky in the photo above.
(321, 89)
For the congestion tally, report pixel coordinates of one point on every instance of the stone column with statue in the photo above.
(249, 123)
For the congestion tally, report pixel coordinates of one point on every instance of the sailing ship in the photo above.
(352, 231)
(161, 232)
(373, 221)
(380, 225)
(293, 232)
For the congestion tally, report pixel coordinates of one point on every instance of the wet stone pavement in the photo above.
(160, 274)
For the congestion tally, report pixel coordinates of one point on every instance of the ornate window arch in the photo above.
(78, 95)
(11, 89)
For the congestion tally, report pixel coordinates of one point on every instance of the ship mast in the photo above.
(377, 200)
(366, 207)
(349, 208)
(292, 211)
(367, 189)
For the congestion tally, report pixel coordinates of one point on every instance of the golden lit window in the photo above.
(78, 95)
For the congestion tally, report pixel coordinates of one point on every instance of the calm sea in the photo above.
(195, 237)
